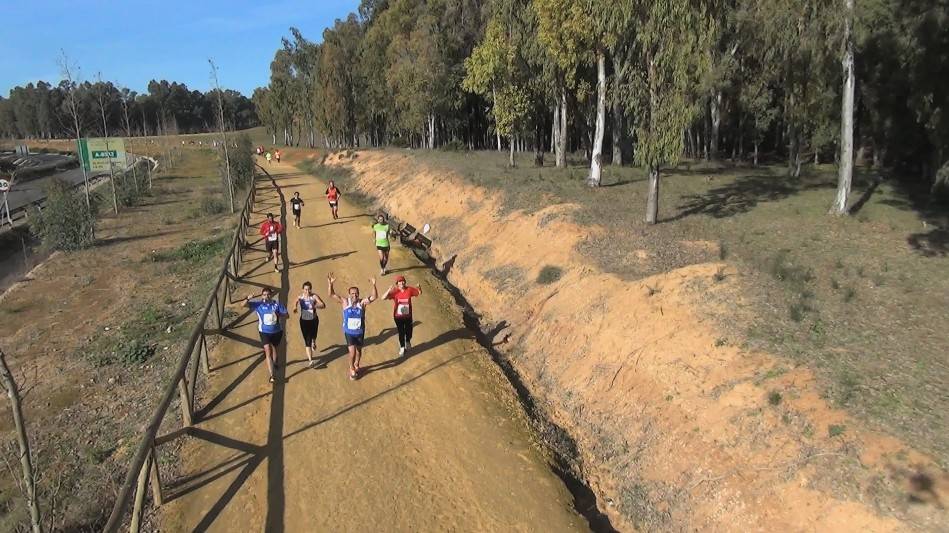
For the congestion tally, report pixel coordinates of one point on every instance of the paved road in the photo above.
(421, 443)
(25, 192)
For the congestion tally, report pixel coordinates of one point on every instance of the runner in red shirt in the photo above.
(271, 230)
(333, 194)
(401, 296)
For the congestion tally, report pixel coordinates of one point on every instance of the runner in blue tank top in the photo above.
(269, 312)
(354, 320)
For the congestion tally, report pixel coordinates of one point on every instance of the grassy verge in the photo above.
(99, 359)
(863, 300)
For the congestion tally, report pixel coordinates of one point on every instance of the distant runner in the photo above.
(401, 296)
(308, 303)
(276, 154)
(381, 232)
(269, 312)
(296, 205)
(267, 156)
(333, 194)
(354, 321)
(271, 230)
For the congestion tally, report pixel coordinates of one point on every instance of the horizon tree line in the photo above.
(640, 82)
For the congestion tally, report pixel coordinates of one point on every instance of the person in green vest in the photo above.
(380, 231)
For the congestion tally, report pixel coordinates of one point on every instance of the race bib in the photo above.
(402, 309)
(272, 237)
(354, 323)
(270, 319)
(381, 234)
(306, 314)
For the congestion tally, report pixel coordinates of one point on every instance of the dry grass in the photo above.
(98, 360)
(863, 300)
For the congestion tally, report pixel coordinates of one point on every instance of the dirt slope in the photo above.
(421, 443)
(677, 427)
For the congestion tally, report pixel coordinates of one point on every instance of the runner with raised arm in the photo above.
(307, 303)
(354, 320)
(269, 312)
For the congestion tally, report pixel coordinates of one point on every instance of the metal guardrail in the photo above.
(143, 470)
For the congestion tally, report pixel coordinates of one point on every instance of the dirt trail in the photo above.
(419, 443)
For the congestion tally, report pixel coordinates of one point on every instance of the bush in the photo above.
(549, 274)
(211, 205)
(193, 251)
(135, 352)
(454, 146)
(65, 223)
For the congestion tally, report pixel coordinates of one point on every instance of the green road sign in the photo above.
(97, 154)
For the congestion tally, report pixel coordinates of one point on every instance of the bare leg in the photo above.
(358, 356)
(309, 354)
(268, 350)
(352, 361)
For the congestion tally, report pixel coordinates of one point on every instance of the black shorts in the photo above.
(382, 248)
(334, 204)
(296, 212)
(309, 328)
(273, 245)
(355, 340)
(272, 339)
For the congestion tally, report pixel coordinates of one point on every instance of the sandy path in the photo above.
(418, 444)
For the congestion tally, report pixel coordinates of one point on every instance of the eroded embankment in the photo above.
(675, 427)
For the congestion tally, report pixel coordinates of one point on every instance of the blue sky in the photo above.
(133, 41)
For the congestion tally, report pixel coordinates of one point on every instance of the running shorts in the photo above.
(354, 340)
(273, 245)
(272, 339)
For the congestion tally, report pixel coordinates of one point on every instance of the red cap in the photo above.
(399, 278)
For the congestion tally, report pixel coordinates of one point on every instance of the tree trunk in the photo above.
(23, 440)
(510, 161)
(845, 168)
(431, 131)
(715, 110)
(756, 153)
(596, 159)
(618, 132)
(652, 196)
(562, 135)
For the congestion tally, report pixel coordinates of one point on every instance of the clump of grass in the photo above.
(549, 274)
(849, 294)
(797, 310)
(774, 398)
(721, 341)
(719, 275)
(722, 250)
(835, 430)
(212, 206)
(193, 251)
(783, 269)
(136, 351)
(847, 387)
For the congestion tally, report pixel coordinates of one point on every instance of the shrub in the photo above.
(192, 251)
(211, 205)
(135, 351)
(774, 397)
(549, 274)
(65, 223)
